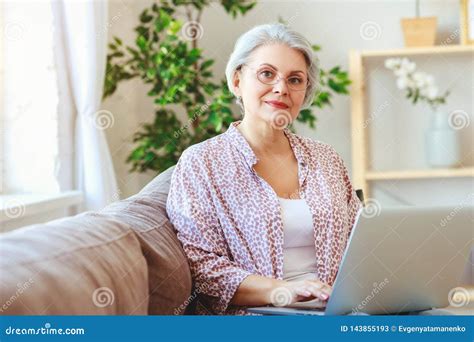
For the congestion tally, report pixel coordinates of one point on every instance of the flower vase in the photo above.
(442, 144)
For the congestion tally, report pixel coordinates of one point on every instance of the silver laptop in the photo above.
(398, 260)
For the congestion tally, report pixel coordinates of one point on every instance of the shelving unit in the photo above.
(418, 174)
(362, 176)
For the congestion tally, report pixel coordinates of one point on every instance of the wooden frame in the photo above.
(362, 176)
(2, 104)
(467, 22)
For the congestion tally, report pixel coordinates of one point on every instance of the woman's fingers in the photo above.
(308, 289)
(320, 290)
(311, 291)
(302, 291)
(320, 294)
(322, 286)
(327, 289)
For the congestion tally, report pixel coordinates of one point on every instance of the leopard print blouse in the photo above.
(228, 219)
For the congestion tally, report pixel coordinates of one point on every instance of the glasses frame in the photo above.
(279, 77)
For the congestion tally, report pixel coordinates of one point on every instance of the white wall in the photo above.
(337, 27)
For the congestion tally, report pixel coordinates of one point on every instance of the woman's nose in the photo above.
(280, 87)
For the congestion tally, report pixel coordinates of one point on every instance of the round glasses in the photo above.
(270, 76)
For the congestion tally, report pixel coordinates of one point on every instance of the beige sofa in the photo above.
(122, 260)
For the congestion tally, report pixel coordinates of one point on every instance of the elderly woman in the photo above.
(261, 212)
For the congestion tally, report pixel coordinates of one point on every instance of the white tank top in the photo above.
(299, 254)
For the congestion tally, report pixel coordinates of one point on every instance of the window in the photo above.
(28, 98)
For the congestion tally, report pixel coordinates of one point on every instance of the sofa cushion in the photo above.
(169, 276)
(89, 264)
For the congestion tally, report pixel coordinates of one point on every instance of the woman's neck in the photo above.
(263, 138)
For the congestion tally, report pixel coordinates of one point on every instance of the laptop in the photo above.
(398, 260)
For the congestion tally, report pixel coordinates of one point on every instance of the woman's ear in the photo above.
(236, 83)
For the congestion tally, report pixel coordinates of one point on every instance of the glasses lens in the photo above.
(270, 77)
(297, 82)
(267, 76)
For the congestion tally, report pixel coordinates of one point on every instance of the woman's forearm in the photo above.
(256, 290)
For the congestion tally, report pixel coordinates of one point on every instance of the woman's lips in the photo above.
(276, 104)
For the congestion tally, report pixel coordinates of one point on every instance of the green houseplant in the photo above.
(167, 58)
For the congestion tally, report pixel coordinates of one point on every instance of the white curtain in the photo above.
(84, 161)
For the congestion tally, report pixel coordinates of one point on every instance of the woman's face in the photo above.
(276, 104)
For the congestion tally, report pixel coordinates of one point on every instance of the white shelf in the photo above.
(419, 174)
(430, 50)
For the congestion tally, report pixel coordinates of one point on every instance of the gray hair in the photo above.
(273, 34)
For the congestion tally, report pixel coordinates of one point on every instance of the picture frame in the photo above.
(467, 22)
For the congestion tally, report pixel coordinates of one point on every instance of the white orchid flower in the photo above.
(392, 63)
(419, 85)
(401, 72)
(408, 65)
(402, 83)
(432, 92)
(420, 78)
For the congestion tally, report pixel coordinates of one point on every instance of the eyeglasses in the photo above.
(270, 76)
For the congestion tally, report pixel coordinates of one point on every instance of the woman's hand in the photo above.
(259, 290)
(291, 292)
